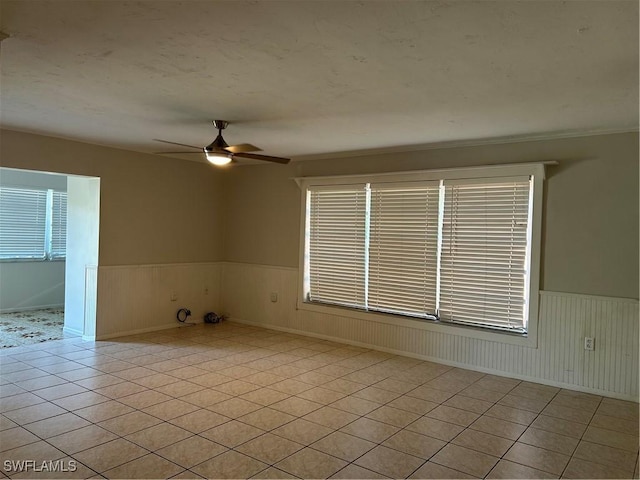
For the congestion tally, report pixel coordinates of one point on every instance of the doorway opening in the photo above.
(49, 234)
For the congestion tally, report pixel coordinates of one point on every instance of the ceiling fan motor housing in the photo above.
(218, 144)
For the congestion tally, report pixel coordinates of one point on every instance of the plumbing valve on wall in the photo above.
(182, 316)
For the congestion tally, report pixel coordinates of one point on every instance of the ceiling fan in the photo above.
(220, 152)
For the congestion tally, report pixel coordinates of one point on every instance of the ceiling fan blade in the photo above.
(266, 158)
(175, 143)
(243, 147)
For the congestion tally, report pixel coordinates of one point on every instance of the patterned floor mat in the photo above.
(29, 327)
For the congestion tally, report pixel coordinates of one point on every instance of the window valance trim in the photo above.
(486, 171)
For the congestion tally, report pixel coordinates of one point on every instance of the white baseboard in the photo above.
(142, 330)
(29, 309)
(72, 331)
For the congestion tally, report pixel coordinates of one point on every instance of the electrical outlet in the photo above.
(174, 297)
(589, 343)
(274, 297)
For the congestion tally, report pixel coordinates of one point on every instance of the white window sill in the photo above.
(32, 260)
(525, 340)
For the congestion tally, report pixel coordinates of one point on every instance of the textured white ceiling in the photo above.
(301, 78)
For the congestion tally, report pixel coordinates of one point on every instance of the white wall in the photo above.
(83, 220)
(27, 285)
(31, 285)
(29, 178)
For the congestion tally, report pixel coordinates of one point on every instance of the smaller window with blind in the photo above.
(452, 247)
(33, 223)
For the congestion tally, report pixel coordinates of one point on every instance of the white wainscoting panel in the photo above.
(137, 298)
(559, 359)
(90, 301)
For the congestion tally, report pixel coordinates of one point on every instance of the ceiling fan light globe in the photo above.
(218, 158)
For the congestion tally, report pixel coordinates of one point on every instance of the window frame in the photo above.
(59, 214)
(497, 172)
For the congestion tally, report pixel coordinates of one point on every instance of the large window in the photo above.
(33, 224)
(451, 246)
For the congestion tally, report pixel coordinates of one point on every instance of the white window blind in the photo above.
(457, 248)
(58, 225)
(337, 245)
(485, 234)
(23, 222)
(403, 248)
(33, 223)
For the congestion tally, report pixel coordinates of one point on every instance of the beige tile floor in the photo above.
(231, 401)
